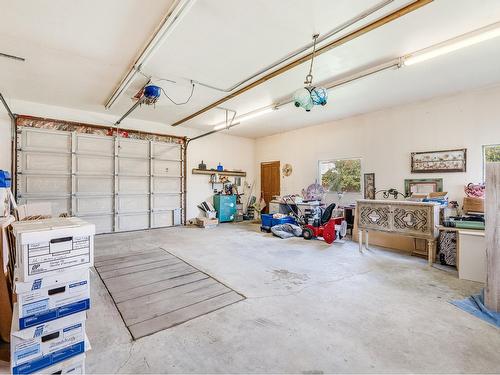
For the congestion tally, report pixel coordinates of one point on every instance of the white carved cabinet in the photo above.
(411, 219)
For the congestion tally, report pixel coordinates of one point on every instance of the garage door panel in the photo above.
(135, 167)
(133, 185)
(166, 185)
(133, 221)
(94, 165)
(58, 205)
(133, 203)
(166, 168)
(163, 219)
(103, 223)
(46, 163)
(93, 185)
(93, 205)
(133, 148)
(168, 151)
(44, 184)
(42, 140)
(107, 181)
(95, 145)
(164, 201)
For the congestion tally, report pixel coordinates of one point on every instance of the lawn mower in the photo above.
(318, 222)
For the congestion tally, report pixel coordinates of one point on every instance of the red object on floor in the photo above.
(327, 231)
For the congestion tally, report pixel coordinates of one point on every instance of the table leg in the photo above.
(360, 240)
(366, 240)
(430, 252)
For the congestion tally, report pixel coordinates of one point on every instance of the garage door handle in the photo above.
(62, 239)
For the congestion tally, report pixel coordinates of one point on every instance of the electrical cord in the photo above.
(173, 101)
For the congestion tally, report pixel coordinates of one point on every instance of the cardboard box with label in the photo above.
(73, 366)
(50, 246)
(45, 345)
(52, 297)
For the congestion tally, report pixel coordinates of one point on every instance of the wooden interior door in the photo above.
(269, 181)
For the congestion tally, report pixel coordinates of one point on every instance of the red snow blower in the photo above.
(319, 222)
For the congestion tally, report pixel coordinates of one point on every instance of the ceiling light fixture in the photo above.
(310, 96)
(245, 117)
(462, 41)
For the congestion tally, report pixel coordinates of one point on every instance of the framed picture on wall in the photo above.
(369, 185)
(439, 161)
(423, 186)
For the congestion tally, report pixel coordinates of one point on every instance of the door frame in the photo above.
(279, 177)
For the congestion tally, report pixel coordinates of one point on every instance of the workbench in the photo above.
(404, 218)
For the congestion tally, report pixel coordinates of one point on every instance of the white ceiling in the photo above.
(78, 52)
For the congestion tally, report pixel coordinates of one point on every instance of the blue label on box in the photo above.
(52, 314)
(36, 307)
(29, 351)
(50, 359)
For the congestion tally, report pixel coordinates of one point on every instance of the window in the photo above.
(341, 175)
(490, 153)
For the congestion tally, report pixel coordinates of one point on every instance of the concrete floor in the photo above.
(310, 308)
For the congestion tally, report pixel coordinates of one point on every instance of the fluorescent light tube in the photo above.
(463, 41)
(246, 117)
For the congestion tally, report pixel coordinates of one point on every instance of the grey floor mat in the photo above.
(154, 290)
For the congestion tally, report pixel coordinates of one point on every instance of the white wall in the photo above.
(232, 152)
(385, 139)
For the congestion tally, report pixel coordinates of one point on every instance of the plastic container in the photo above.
(269, 221)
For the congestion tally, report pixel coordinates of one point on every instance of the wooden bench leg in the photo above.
(360, 240)
(431, 255)
(366, 240)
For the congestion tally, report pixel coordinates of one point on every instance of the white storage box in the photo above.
(46, 247)
(52, 297)
(73, 366)
(42, 346)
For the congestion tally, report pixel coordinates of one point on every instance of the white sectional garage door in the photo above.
(119, 184)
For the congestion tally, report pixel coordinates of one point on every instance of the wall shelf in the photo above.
(221, 173)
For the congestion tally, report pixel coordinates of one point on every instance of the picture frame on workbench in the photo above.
(423, 185)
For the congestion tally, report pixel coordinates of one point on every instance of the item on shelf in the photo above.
(220, 168)
(472, 204)
(202, 166)
(475, 190)
(5, 179)
(439, 161)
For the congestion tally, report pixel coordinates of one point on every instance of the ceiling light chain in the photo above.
(309, 77)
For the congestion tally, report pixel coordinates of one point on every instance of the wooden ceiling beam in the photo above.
(333, 44)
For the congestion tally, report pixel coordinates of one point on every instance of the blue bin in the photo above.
(267, 220)
(283, 220)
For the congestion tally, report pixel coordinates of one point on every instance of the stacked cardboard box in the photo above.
(52, 292)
